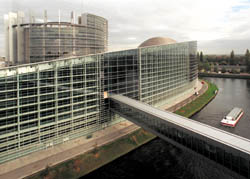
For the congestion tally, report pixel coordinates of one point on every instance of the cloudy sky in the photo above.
(218, 25)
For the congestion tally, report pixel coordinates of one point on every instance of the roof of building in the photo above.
(157, 41)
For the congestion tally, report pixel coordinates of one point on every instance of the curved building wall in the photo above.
(51, 41)
(48, 103)
(167, 71)
(100, 23)
(36, 42)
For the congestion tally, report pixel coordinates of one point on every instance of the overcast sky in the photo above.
(218, 25)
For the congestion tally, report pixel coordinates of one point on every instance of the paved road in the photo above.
(63, 156)
(189, 99)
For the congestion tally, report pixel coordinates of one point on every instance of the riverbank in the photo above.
(225, 75)
(99, 156)
(198, 104)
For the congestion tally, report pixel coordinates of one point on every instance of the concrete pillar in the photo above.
(20, 38)
(12, 38)
(6, 31)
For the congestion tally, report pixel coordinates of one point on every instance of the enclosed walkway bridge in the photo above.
(230, 151)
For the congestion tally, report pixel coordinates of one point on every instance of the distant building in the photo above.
(35, 42)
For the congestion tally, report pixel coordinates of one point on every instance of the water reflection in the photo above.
(232, 93)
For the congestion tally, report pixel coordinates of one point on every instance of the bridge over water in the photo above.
(229, 151)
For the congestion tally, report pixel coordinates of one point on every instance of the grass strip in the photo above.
(199, 103)
(90, 161)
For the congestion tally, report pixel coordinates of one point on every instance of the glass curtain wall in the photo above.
(120, 76)
(166, 71)
(44, 42)
(47, 103)
(55, 102)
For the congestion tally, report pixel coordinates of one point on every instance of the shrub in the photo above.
(223, 70)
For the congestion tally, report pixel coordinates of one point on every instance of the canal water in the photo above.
(159, 159)
(232, 93)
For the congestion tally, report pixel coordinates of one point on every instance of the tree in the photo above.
(223, 70)
(247, 60)
(201, 57)
(211, 66)
(216, 69)
(232, 58)
(200, 66)
(234, 70)
(207, 66)
(232, 54)
(198, 56)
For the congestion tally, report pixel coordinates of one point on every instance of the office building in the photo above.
(34, 42)
(47, 103)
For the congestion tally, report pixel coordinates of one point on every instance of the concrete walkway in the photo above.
(37, 161)
(182, 97)
(202, 89)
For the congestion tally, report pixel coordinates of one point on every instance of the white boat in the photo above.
(233, 117)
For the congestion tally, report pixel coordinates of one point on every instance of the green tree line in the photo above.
(231, 59)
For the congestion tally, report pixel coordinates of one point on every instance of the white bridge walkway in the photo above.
(228, 150)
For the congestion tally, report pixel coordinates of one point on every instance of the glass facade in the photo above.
(37, 42)
(47, 103)
(165, 71)
(54, 40)
(52, 103)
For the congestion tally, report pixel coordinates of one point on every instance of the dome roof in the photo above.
(157, 41)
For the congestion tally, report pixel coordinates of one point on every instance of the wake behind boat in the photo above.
(233, 117)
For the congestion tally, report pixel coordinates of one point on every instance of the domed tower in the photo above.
(157, 41)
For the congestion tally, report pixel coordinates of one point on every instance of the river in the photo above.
(159, 159)
(232, 93)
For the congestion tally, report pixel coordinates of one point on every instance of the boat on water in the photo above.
(233, 117)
